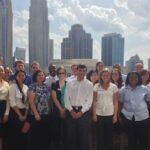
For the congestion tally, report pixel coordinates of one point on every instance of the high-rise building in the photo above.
(78, 45)
(130, 64)
(20, 53)
(112, 49)
(39, 33)
(6, 32)
(51, 49)
(149, 64)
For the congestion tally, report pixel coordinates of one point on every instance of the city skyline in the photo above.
(97, 17)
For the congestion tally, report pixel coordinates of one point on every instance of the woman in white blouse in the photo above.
(4, 107)
(18, 113)
(105, 108)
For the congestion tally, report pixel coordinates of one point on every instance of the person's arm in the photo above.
(31, 98)
(115, 101)
(94, 117)
(57, 103)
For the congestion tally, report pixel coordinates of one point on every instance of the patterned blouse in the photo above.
(42, 96)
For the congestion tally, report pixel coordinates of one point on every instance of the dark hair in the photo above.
(135, 73)
(120, 80)
(20, 89)
(18, 62)
(143, 72)
(99, 62)
(89, 74)
(59, 68)
(51, 66)
(34, 77)
(81, 66)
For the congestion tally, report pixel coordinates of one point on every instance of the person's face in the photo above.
(115, 75)
(133, 79)
(100, 66)
(81, 73)
(7, 72)
(139, 67)
(20, 77)
(61, 74)
(74, 69)
(19, 66)
(52, 71)
(40, 77)
(105, 77)
(94, 77)
(145, 77)
(35, 67)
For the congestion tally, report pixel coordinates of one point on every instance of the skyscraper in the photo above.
(20, 53)
(6, 32)
(51, 49)
(78, 45)
(112, 49)
(39, 33)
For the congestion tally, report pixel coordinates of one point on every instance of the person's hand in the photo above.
(37, 117)
(79, 115)
(114, 119)
(5, 119)
(94, 118)
(22, 118)
(73, 114)
(63, 113)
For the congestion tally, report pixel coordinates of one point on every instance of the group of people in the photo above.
(80, 112)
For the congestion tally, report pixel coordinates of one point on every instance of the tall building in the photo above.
(6, 32)
(112, 49)
(51, 49)
(130, 64)
(39, 33)
(78, 45)
(20, 53)
(149, 64)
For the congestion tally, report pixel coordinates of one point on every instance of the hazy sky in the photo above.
(131, 18)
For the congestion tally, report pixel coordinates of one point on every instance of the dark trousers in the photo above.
(137, 132)
(58, 133)
(104, 132)
(77, 134)
(39, 135)
(2, 111)
(15, 139)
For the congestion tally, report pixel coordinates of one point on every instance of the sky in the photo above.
(130, 18)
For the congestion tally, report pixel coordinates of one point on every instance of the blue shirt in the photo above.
(135, 102)
(28, 80)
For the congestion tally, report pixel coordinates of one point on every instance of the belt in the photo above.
(77, 108)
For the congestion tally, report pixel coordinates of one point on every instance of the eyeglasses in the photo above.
(61, 73)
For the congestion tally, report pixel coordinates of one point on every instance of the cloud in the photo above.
(121, 3)
(140, 7)
(20, 30)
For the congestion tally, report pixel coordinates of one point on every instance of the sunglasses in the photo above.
(61, 73)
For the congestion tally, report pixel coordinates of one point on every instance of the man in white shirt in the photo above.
(74, 73)
(78, 101)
